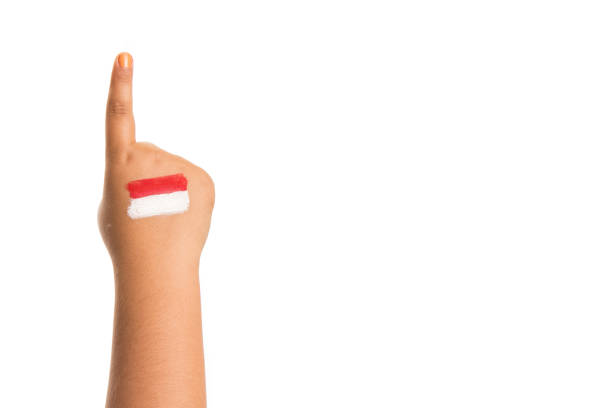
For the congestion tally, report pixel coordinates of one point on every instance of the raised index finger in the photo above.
(120, 131)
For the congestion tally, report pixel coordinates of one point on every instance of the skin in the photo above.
(157, 355)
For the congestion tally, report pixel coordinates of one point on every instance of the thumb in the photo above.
(119, 116)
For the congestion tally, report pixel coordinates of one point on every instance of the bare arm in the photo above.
(154, 218)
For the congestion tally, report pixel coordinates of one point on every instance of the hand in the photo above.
(161, 239)
(157, 358)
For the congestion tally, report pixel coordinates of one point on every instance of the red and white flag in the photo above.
(158, 196)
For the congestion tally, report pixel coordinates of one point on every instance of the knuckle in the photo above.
(207, 185)
(117, 156)
(203, 178)
(118, 108)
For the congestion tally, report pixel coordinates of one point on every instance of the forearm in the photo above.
(157, 357)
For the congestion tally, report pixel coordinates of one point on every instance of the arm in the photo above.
(157, 358)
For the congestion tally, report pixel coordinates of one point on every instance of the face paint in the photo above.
(158, 196)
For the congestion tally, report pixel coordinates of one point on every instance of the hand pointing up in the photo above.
(129, 161)
(154, 218)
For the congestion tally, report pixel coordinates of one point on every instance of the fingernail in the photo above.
(125, 60)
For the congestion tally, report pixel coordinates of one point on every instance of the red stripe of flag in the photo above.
(157, 185)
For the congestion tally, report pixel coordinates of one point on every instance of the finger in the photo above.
(119, 116)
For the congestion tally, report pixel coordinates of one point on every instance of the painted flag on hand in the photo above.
(158, 196)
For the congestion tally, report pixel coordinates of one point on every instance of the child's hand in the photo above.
(159, 240)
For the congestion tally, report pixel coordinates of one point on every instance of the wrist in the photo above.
(146, 276)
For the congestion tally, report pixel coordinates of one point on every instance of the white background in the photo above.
(413, 197)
